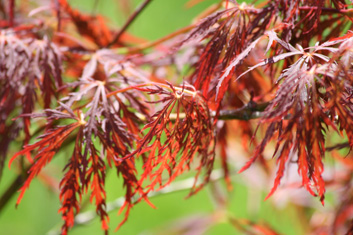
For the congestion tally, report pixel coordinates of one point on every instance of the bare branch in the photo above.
(129, 22)
(247, 112)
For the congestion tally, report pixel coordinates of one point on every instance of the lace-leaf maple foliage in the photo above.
(129, 110)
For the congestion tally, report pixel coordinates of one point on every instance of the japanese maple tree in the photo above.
(278, 72)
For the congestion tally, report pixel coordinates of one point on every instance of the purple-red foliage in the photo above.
(117, 110)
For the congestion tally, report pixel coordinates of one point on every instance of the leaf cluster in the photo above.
(288, 63)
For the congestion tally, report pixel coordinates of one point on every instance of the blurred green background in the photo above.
(37, 213)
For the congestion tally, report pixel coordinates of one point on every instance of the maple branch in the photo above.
(12, 189)
(338, 146)
(129, 21)
(252, 110)
(325, 9)
(249, 111)
(159, 41)
(11, 12)
(192, 93)
(186, 29)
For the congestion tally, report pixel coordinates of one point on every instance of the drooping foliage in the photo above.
(286, 63)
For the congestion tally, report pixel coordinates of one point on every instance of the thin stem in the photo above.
(247, 112)
(12, 189)
(324, 9)
(161, 40)
(338, 146)
(129, 22)
(250, 111)
(58, 14)
(192, 93)
(11, 12)
(244, 113)
(148, 45)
